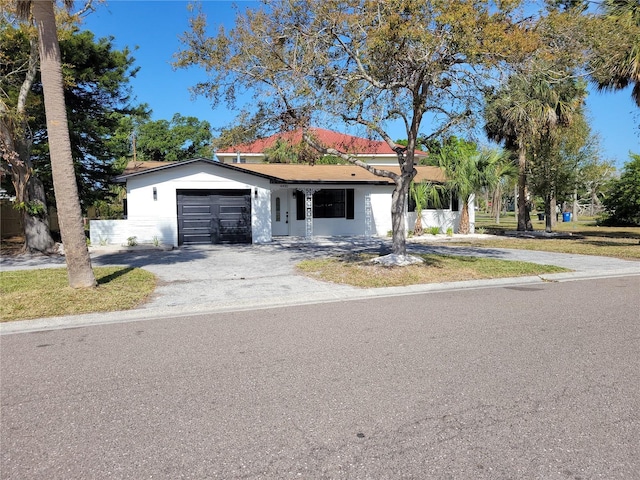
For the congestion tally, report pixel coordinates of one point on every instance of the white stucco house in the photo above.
(204, 201)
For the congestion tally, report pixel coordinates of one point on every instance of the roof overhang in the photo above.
(293, 173)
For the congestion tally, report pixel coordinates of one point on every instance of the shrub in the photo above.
(623, 202)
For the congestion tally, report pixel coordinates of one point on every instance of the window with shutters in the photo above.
(328, 203)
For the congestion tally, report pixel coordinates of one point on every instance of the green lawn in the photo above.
(43, 293)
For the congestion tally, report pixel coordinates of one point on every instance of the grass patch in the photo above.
(587, 238)
(626, 249)
(26, 294)
(358, 270)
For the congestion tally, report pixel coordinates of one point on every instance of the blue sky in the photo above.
(154, 28)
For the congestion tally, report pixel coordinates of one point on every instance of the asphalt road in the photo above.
(518, 382)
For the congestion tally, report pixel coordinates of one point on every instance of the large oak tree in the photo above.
(360, 62)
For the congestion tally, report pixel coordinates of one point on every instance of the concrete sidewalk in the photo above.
(223, 278)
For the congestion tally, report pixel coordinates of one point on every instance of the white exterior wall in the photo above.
(118, 232)
(381, 208)
(325, 227)
(381, 223)
(148, 217)
(442, 218)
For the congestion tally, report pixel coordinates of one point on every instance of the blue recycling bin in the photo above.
(566, 217)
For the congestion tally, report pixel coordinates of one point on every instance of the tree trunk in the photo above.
(64, 179)
(29, 191)
(496, 203)
(15, 146)
(524, 219)
(595, 203)
(417, 229)
(464, 228)
(548, 223)
(398, 207)
(574, 213)
(37, 236)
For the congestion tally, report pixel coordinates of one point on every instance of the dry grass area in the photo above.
(358, 270)
(582, 238)
(628, 249)
(26, 294)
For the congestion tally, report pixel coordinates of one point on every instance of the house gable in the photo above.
(284, 173)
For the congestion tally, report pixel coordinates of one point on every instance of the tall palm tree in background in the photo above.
(617, 61)
(558, 150)
(64, 180)
(526, 108)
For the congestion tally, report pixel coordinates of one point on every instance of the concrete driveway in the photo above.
(220, 278)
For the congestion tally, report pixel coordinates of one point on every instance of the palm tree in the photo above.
(519, 114)
(617, 61)
(557, 152)
(467, 175)
(64, 180)
(501, 173)
(424, 193)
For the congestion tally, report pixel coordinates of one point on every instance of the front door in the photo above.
(280, 213)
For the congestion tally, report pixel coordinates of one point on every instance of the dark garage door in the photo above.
(214, 216)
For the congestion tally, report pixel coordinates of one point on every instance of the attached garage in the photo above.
(213, 216)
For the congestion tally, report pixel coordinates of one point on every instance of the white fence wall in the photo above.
(444, 219)
(117, 232)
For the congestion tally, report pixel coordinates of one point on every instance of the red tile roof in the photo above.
(339, 141)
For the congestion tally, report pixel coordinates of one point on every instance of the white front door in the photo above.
(280, 213)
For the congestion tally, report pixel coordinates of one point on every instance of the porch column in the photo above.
(308, 211)
(367, 215)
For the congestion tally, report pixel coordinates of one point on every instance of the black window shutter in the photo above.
(299, 205)
(350, 204)
(455, 203)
